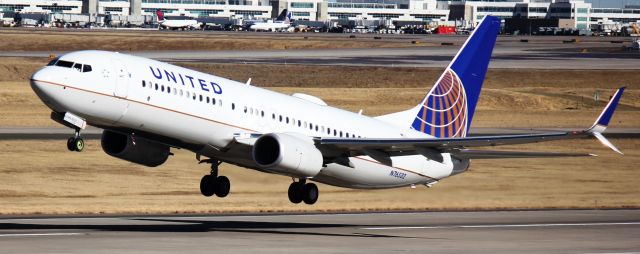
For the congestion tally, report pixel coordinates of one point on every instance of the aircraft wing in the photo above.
(489, 154)
(433, 147)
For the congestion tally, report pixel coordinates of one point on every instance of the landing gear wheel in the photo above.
(208, 185)
(310, 193)
(70, 142)
(78, 144)
(223, 185)
(295, 192)
(75, 144)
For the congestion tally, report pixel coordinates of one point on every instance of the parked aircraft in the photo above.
(176, 24)
(282, 23)
(148, 107)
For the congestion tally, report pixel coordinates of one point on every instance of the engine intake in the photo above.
(142, 151)
(289, 154)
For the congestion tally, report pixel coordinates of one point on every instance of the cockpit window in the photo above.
(66, 64)
(53, 62)
(63, 63)
(78, 66)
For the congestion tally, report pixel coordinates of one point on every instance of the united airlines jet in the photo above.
(147, 108)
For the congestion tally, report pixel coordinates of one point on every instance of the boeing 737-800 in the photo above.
(147, 107)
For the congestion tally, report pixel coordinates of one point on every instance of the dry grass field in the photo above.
(67, 40)
(41, 177)
(505, 102)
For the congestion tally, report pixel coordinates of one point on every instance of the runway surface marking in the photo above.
(510, 225)
(41, 234)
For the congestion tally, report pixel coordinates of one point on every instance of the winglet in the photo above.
(603, 120)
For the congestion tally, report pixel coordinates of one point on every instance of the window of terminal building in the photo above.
(301, 5)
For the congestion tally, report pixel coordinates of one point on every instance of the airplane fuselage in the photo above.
(210, 113)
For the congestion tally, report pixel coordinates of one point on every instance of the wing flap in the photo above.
(492, 154)
(404, 144)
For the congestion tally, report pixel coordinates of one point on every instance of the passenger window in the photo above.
(280, 117)
(287, 119)
(262, 113)
(156, 86)
(245, 109)
(144, 84)
(162, 88)
(200, 97)
(233, 106)
(299, 123)
(193, 95)
(213, 101)
(168, 89)
(86, 68)
(273, 116)
(207, 99)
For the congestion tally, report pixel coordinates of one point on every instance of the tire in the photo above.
(310, 193)
(78, 144)
(223, 185)
(295, 192)
(207, 185)
(70, 142)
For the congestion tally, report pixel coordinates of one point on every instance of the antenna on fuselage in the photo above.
(248, 82)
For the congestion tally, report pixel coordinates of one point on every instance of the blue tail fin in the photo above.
(448, 108)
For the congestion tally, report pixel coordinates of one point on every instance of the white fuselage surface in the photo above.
(209, 114)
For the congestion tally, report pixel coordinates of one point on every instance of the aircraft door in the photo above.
(122, 79)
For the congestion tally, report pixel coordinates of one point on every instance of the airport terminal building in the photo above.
(579, 12)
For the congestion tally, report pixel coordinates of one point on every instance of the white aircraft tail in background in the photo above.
(147, 107)
(282, 23)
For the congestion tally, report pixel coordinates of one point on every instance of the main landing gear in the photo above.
(214, 184)
(301, 191)
(75, 143)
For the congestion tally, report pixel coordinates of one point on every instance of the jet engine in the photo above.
(290, 154)
(134, 149)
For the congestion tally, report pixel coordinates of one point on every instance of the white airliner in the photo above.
(147, 107)
(175, 24)
(282, 23)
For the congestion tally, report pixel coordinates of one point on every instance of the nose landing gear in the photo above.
(75, 143)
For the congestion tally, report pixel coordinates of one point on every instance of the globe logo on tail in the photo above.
(444, 110)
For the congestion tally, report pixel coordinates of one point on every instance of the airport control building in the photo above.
(581, 13)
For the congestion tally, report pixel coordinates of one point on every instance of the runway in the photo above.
(27, 133)
(568, 231)
(505, 56)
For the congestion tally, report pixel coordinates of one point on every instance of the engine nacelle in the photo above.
(289, 154)
(137, 150)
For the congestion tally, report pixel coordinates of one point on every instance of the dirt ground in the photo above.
(505, 101)
(41, 177)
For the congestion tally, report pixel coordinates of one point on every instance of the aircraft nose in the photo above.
(42, 84)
